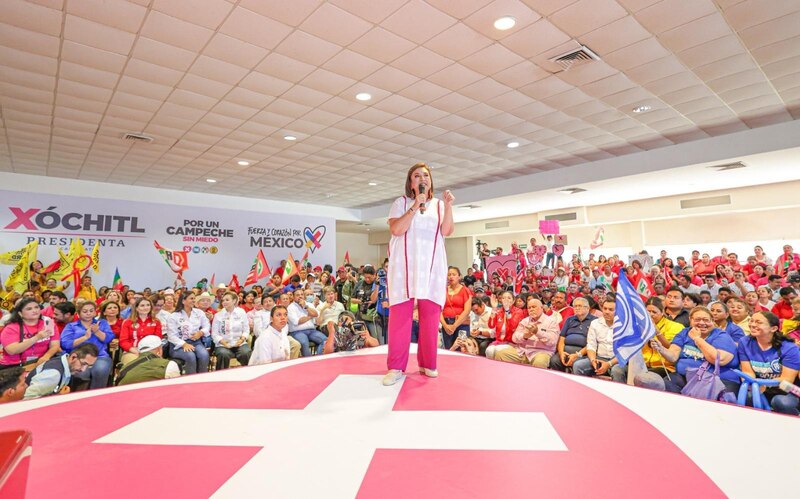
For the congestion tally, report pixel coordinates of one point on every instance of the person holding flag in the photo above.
(258, 270)
(633, 328)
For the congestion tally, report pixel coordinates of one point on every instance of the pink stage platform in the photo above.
(326, 427)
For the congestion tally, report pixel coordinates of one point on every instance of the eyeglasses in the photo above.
(85, 364)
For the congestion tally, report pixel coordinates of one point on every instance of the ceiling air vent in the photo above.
(138, 137)
(728, 166)
(563, 217)
(580, 55)
(497, 225)
(705, 202)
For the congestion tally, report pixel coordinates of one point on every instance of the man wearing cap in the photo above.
(314, 285)
(149, 366)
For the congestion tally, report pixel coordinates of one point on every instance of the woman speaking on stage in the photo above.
(417, 271)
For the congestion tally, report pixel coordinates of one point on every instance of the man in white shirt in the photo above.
(685, 283)
(739, 286)
(599, 345)
(711, 285)
(261, 317)
(273, 345)
(302, 326)
(328, 310)
(479, 324)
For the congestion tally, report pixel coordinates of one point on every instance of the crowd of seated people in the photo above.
(746, 313)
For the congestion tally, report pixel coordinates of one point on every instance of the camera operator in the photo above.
(365, 296)
(348, 334)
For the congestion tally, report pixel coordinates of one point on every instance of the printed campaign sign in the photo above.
(217, 241)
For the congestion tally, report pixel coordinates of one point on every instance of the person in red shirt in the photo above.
(704, 266)
(457, 305)
(142, 323)
(787, 262)
(505, 319)
(722, 258)
(560, 308)
(733, 262)
(783, 309)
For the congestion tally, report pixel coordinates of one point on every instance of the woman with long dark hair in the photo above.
(767, 354)
(418, 222)
(28, 339)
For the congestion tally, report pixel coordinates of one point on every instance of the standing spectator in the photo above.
(535, 338)
(230, 332)
(455, 314)
(90, 329)
(382, 305)
(185, 331)
(365, 297)
(550, 261)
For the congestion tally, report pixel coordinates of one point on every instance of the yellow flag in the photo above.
(96, 257)
(19, 277)
(27, 252)
(75, 250)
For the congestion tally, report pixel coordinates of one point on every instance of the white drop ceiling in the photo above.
(215, 82)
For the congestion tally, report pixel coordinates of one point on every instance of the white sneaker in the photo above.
(392, 377)
(431, 373)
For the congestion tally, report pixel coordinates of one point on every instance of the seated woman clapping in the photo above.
(699, 342)
(767, 354)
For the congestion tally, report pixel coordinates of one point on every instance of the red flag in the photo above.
(304, 261)
(259, 270)
(212, 284)
(234, 284)
(347, 256)
(667, 278)
(289, 269)
(178, 261)
(52, 267)
(643, 286)
(521, 265)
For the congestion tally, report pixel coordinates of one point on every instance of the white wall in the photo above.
(361, 251)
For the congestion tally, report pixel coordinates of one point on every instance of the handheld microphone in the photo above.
(422, 191)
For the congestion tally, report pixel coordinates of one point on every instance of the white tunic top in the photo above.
(417, 259)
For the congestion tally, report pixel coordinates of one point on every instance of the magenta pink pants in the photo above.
(401, 317)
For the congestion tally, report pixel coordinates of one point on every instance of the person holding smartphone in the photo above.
(29, 339)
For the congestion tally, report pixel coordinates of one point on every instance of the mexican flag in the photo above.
(289, 269)
(258, 270)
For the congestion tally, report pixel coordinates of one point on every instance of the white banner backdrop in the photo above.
(219, 241)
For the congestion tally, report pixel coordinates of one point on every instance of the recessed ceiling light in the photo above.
(572, 190)
(211, 181)
(373, 184)
(504, 23)
(641, 109)
(243, 163)
(363, 96)
(512, 145)
(289, 137)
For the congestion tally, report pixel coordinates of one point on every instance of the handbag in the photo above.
(702, 383)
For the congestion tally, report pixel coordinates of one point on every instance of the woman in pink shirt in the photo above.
(28, 339)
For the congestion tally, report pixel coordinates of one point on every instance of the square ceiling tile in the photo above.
(335, 25)
(584, 16)
(418, 21)
(458, 42)
(381, 45)
(254, 28)
(206, 13)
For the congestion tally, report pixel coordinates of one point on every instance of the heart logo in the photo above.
(503, 265)
(558, 249)
(313, 237)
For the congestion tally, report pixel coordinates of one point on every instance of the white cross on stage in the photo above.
(325, 449)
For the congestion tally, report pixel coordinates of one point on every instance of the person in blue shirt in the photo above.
(767, 354)
(699, 342)
(89, 329)
(722, 320)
